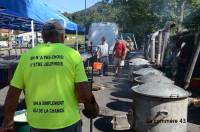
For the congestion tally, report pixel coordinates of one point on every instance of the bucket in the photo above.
(21, 121)
(97, 65)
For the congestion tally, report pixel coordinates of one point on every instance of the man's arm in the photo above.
(114, 49)
(10, 106)
(85, 96)
(98, 52)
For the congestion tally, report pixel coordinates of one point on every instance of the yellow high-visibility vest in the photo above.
(48, 73)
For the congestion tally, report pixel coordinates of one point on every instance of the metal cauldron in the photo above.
(135, 54)
(136, 63)
(159, 107)
(152, 78)
(143, 72)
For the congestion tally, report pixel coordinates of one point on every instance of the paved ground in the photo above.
(115, 98)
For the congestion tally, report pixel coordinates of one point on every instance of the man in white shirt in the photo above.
(102, 54)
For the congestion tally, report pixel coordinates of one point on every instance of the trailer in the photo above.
(103, 29)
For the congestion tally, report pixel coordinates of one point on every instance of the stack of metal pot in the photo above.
(158, 105)
(136, 64)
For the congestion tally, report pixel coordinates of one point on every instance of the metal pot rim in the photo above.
(160, 90)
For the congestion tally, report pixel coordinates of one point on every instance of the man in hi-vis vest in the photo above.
(54, 80)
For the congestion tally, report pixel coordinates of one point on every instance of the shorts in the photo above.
(117, 61)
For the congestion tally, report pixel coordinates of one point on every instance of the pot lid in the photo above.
(160, 90)
(153, 78)
(134, 54)
(138, 61)
(145, 71)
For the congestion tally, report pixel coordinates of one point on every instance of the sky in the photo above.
(70, 6)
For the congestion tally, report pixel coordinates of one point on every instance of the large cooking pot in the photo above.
(143, 72)
(152, 78)
(135, 54)
(159, 107)
(137, 63)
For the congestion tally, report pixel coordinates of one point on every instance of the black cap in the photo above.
(53, 25)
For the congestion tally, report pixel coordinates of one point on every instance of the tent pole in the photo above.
(136, 47)
(36, 33)
(193, 62)
(159, 47)
(32, 32)
(77, 38)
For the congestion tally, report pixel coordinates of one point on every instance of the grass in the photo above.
(71, 39)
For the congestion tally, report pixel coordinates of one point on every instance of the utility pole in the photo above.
(182, 10)
(182, 14)
(85, 6)
(85, 26)
(85, 10)
(192, 61)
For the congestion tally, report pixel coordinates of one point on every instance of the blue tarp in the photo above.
(13, 20)
(39, 11)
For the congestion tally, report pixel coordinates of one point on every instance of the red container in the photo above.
(97, 65)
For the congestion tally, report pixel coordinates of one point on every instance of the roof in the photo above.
(39, 11)
(13, 20)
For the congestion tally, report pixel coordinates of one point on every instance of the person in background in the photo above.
(54, 80)
(129, 44)
(119, 52)
(102, 54)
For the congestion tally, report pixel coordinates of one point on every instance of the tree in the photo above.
(192, 20)
(140, 17)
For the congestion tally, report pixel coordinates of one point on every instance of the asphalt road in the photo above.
(114, 98)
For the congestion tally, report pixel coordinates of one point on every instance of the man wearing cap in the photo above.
(102, 54)
(53, 78)
(129, 44)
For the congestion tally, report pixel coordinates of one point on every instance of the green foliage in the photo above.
(71, 39)
(195, 3)
(192, 20)
(140, 17)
